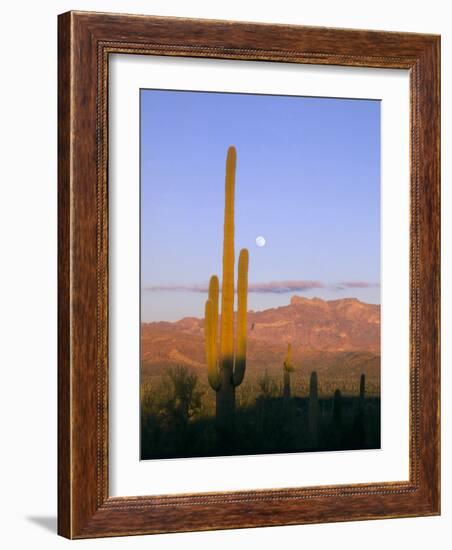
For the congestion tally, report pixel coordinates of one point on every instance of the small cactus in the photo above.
(287, 370)
(337, 433)
(359, 423)
(313, 412)
(337, 410)
(362, 388)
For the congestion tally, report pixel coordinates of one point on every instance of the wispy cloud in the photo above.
(355, 284)
(282, 287)
(177, 288)
(271, 287)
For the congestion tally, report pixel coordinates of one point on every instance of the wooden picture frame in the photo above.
(85, 42)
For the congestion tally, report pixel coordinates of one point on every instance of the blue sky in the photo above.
(308, 181)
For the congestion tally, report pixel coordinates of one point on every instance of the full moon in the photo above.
(260, 241)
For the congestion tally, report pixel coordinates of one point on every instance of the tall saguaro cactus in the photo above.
(226, 365)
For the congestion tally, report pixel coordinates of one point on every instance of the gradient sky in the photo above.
(308, 180)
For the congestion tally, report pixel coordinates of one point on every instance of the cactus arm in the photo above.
(227, 289)
(211, 334)
(211, 347)
(213, 297)
(242, 292)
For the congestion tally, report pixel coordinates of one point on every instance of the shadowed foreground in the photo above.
(270, 425)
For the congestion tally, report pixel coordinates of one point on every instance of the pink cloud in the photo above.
(271, 287)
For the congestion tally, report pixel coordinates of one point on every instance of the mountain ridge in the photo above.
(342, 334)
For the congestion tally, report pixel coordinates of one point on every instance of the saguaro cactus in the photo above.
(337, 435)
(359, 431)
(287, 369)
(313, 412)
(362, 388)
(337, 409)
(226, 366)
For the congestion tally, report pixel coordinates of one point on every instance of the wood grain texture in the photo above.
(85, 42)
(64, 295)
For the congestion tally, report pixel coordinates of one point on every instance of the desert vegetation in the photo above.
(178, 412)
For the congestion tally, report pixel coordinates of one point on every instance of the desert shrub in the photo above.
(179, 399)
(267, 386)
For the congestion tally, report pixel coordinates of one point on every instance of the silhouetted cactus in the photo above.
(226, 368)
(362, 388)
(313, 413)
(337, 410)
(359, 431)
(287, 369)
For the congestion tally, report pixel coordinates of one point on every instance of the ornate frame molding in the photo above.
(85, 42)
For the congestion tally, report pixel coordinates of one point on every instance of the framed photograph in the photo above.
(248, 275)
